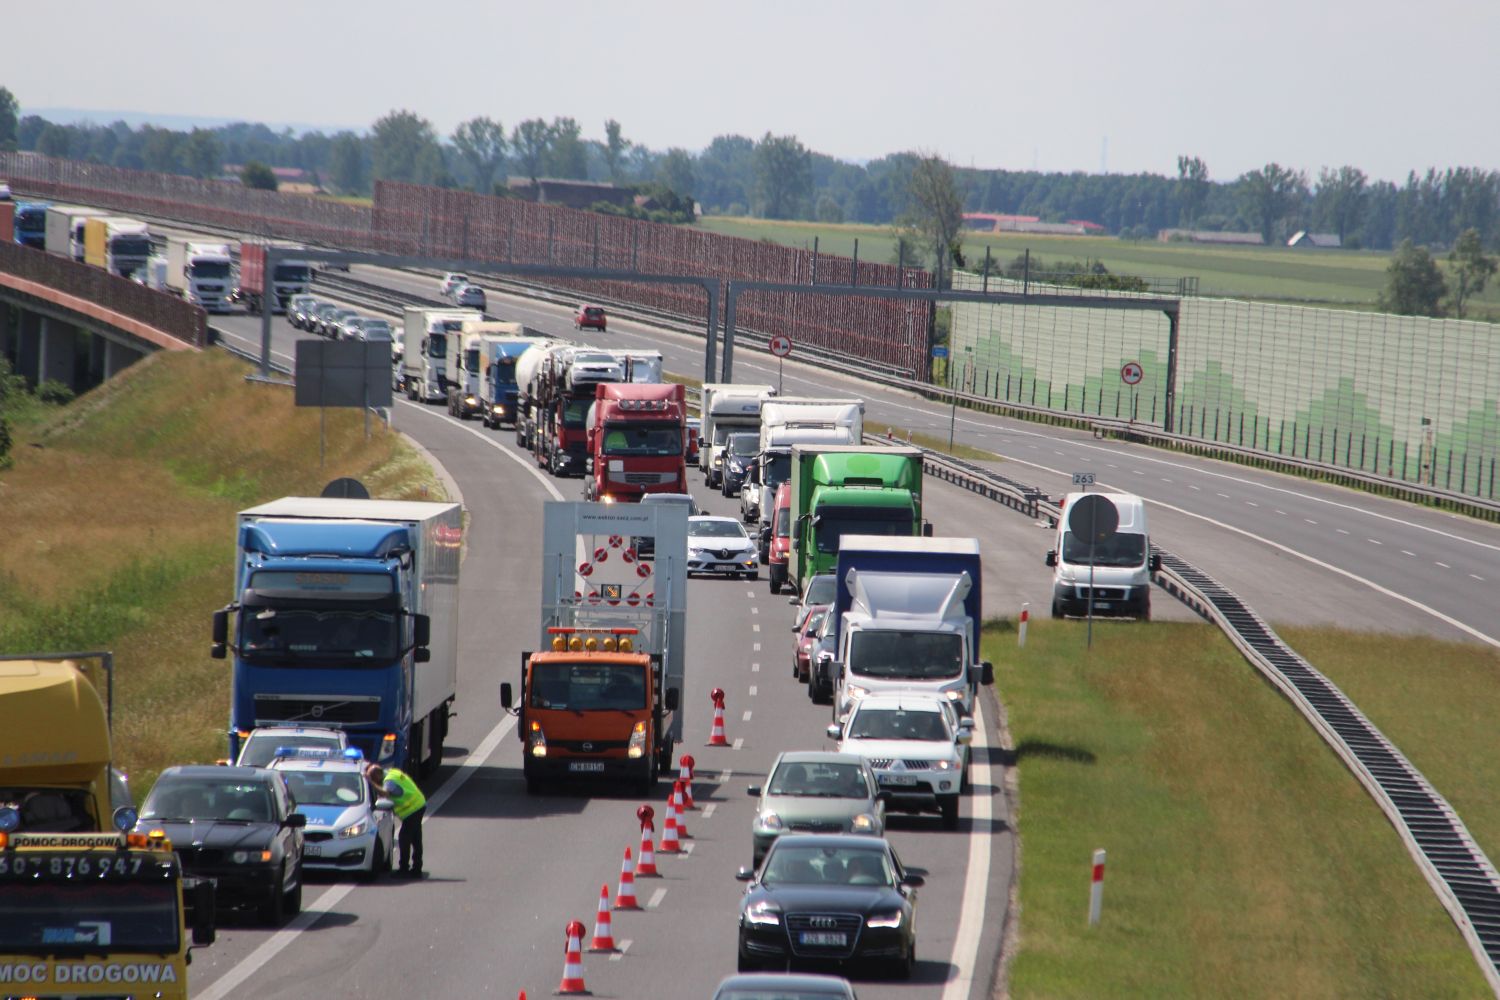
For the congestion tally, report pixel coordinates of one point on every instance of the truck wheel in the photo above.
(273, 910)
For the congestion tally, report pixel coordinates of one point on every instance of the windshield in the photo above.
(744, 445)
(814, 623)
(715, 529)
(824, 865)
(576, 411)
(910, 655)
(832, 523)
(376, 330)
(471, 359)
(130, 246)
(1116, 550)
(290, 635)
(62, 916)
(49, 810)
(818, 780)
(642, 439)
(774, 469)
(298, 273)
(783, 519)
(723, 429)
(897, 724)
(181, 799)
(325, 788)
(820, 589)
(210, 269)
(586, 687)
(260, 749)
(437, 345)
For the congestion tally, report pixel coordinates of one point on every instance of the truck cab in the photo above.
(465, 388)
(635, 441)
(727, 407)
(565, 393)
(430, 340)
(118, 244)
(31, 224)
(851, 490)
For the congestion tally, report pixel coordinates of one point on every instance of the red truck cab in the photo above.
(636, 433)
(780, 542)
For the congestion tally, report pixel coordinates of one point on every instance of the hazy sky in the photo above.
(1385, 86)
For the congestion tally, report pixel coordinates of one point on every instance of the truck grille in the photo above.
(326, 710)
(588, 746)
(649, 478)
(1104, 593)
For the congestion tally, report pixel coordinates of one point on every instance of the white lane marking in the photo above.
(1222, 496)
(1442, 564)
(725, 775)
(1477, 577)
(755, 627)
(965, 957)
(1137, 472)
(756, 647)
(746, 716)
(1251, 503)
(750, 593)
(272, 946)
(1281, 512)
(687, 848)
(1111, 465)
(1165, 479)
(1309, 520)
(739, 741)
(1374, 541)
(524, 463)
(1407, 552)
(753, 691)
(656, 898)
(708, 810)
(624, 946)
(1341, 531)
(755, 668)
(754, 610)
(1192, 487)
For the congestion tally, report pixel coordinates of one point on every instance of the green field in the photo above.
(1340, 279)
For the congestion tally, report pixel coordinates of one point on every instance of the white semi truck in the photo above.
(727, 407)
(202, 273)
(429, 340)
(64, 235)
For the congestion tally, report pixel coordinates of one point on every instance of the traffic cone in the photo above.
(572, 977)
(716, 736)
(677, 811)
(625, 898)
(669, 842)
(646, 868)
(604, 934)
(685, 775)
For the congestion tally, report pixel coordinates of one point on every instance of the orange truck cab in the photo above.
(601, 696)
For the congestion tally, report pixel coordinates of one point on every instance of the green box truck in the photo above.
(850, 489)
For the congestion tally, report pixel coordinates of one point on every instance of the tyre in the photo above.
(273, 909)
(1146, 608)
(293, 904)
(533, 781)
(744, 963)
(1057, 611)
(949, 809)
(902, 968)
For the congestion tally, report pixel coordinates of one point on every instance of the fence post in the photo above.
(854, 266)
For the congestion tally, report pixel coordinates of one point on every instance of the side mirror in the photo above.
(965, 734)
(421, 630)
(796, 530)
(203, 902)
(672, 699)
(745, 874)
(834, 731)
(1155, 563)
(986, 672)
(753, 790)
(421, 655)
(220, 636)
(912, 881)
(1051, 557)
(796, 628)
(384, 805)
(794, 601)
(295, 821)
(507, 696)
(926, 529)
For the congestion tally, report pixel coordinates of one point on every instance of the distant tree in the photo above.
(933, 219)
(201, 153)
(258, 176)
(1269, 195)
(347, 163)
(55, 140)
(1192, 189)
(10, 110)
(161, 149)
(675, 171)
(1339, 200)
(783, 177)
(399, 145)
(529, 143)
(481, 143)
(829, 209)
(28, 129)
(1414, 285)
(567, 156)
(615, 148)
(1470, 268)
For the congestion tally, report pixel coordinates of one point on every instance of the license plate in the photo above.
(825, 939)
(1101, 604)
(898, 779)
(312, 850)
(585, 765)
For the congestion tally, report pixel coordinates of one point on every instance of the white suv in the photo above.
(915, 749)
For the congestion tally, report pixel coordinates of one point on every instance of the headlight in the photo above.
(355, 829)
(769, 821)
(863, 823)
(945, 765)
(537, 741)
(856, 692)
(954, 694)
(250, 857)
(470, 400)
(695, 553)
(718, 459)
(637, 747)
(498, 409)
(764, 914)
(892, 919)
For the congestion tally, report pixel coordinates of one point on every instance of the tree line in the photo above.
(778, 177)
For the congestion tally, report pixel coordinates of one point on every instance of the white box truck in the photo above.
(726, 407)
(429, 340)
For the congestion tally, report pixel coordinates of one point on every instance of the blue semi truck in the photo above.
(31, 223)
(346, 616)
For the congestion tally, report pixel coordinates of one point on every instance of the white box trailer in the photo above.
(64, 235)
(727, 407)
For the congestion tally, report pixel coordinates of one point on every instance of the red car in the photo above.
(589, 318)
(776, 538)
(806, 637)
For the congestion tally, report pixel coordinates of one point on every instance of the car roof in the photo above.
(216, 772)
(341, 765)
(295, 731)
(911, 702)
(714, 517)
(786, 981)
(829, 840)
(667, 498)
(818, 757)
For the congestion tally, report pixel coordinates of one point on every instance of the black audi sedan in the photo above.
(237, 826)
(821, 898)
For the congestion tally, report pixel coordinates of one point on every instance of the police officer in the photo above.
(411, 806)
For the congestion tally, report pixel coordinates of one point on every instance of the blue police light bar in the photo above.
(354, 753)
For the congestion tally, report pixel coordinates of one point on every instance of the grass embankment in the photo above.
(119, 514)
(1244, 860)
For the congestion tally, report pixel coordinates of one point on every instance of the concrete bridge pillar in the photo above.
(28, 348)
(58, 353)
(10, 333)
(118, 357)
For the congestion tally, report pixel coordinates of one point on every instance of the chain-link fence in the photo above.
(1400, 396)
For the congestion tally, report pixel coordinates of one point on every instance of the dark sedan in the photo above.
(235, 825)
(821, 898)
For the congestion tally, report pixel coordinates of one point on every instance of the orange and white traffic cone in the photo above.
(625, 898)
(677, 811)
(604, 933)
(572, 977)
(646, 866)
(716, 737)
(669, 842)
(685, 775)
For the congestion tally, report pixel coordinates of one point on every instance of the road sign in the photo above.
(781, 345)
(1131, 373)
(1083, 479)
(1093, 518)
(940, 351)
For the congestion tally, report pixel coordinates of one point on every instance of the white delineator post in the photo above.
(1021, 633)
(1096, 889)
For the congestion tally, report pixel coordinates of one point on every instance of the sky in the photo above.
(1085, 85)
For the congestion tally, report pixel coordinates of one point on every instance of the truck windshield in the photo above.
(437, 345)
(213, 269)
(298, 273)
(775, 467)
(130, 246)
(722, 430)
(1117, 550)
(642, 439)
(576, 411)
(833, 523)
(471, 360)
(88, 915)
(49, 810)
(907, 655)
(316, 635)
(583, 687)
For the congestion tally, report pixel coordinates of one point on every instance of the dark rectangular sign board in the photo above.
(343, 373)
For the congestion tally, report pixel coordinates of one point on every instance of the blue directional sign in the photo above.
(940, 351)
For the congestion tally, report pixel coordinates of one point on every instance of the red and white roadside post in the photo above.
(1096, 889)
(1021, 632)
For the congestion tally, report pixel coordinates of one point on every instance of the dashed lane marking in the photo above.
(725, 775)
(756, 647)
(755, 627)
(1407, 552)
(708, 810)
(739, 741)
(656, 898)
(746, 717)
(1442, 564)
(624, 946)
(752, 690)
(755, 668)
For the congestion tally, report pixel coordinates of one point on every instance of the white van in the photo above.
(1122, 563)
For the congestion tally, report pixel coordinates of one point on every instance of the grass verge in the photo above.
(1244, 860)
(120, 509)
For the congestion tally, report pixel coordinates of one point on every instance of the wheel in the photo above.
(1057, 611)
(647, 781)
(902, 968)
(744, 963)
(753, 575)
(949, 809)
(273, 910)
(533, 782)
(379, 864)
(294, 898)
(1146, 608)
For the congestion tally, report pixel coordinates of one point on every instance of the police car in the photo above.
(259, 746)
(348, 828)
